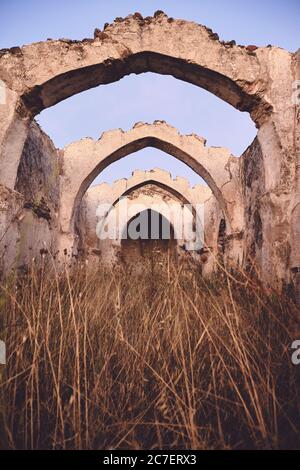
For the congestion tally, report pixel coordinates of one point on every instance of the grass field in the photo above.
(161, 358)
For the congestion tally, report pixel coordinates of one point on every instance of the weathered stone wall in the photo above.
(259, 215)
(11, 209)
(252, 176)
(38, 172)
(28, 216)
(295, 205)
(212, 218)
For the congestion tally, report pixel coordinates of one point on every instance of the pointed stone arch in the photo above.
(82, 161)
(180, 186)
(42, 74)
(109, 195)
(95, 219)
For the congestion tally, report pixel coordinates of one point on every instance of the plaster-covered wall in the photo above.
(259, 215)
(28, 214)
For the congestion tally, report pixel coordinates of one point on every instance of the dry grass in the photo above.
(158, 359)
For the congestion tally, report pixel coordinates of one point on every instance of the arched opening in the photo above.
(147, 159)
(133, 146)
(147, 235)
(221, 113)
(131, 99)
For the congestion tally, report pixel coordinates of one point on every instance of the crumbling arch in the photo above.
(100, 227)
(180, 187)
(52, 71)
(192, 197)
(84, 160)
(109, 196)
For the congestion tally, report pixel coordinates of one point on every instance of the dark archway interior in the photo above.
(147, 235)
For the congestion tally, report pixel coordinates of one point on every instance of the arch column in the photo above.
(14, 125)
(278, 198)
(13, 133)
(295, 204)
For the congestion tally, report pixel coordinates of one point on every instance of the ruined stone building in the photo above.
(253, 200)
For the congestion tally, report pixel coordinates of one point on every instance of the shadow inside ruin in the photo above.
(147, 235)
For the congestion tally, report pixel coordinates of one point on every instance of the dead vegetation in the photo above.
(157, 358)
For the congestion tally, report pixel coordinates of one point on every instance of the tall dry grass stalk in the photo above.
(154, 359)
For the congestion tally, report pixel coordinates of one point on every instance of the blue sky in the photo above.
(149, 96)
